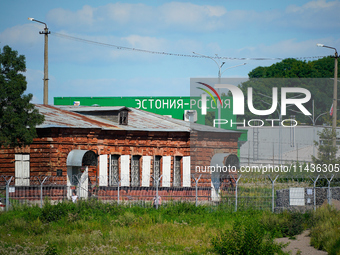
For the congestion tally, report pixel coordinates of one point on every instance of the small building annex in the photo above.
(104, 146)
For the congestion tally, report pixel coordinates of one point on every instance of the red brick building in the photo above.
(103, 145)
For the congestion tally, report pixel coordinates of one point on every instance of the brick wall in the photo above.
(49, 151)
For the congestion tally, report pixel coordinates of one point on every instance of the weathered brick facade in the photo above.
(49, 151)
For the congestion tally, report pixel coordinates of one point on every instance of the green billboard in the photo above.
(175, 107)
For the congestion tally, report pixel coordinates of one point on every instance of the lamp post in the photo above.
(335, 90)
(219, 78)
(45, 32)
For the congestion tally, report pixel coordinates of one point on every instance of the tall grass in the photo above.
(325, 231)
(93, 227)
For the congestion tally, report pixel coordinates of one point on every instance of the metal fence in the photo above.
(236, 192)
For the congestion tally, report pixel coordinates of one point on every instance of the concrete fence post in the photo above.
(236, 189)
(118, 188)
(7, 191)
(196, 188)
(41, 190)
(314, 190)
(79, 187)
(329, 192)
(157, 185)
(273, 191)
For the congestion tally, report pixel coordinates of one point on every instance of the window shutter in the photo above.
(22, 169)
(186, 172)
(166, 171)
(146, 171)
(103, 170)
(125, 169)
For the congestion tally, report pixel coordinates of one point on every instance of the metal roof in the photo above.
(138, 120)
(92, 108)
(56, 117)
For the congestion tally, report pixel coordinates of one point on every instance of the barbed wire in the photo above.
(118, 47)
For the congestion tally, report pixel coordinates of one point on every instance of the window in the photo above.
(156, 170)
(114, 168)
(22, 169)
(123, 117)
(177, 172)
(135, 167)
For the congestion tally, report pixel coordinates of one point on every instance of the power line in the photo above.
(168, 53)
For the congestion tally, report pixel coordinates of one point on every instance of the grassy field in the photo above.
(92, 227)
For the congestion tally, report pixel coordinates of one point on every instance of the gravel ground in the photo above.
(302, 244)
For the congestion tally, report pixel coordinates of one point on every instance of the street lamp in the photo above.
(219, 78)
(335, 90)
(45, 32)
(218, 64)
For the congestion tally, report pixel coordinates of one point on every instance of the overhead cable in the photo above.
(169, 53)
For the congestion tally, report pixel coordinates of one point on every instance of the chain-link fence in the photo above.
(236, 192)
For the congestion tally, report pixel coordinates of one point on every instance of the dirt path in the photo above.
(302, 243)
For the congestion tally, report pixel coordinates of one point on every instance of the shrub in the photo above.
(325, 231)
(285, 224)
(246, 237)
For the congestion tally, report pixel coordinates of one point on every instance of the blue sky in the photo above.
(233, 29)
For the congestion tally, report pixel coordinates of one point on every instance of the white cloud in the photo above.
(35, 85)
(123, 13)
(138, 17)
(312, 6)
(104, 51)
(138, 86)
(320, 16)
(126, 18)
(34, 78)
(27, 34)
(305, 50)
(147, 43)
(177, 27)
(82, 18)
(191, 16)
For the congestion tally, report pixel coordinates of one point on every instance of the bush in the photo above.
(325, 231)
(246, 237)
(286, 224)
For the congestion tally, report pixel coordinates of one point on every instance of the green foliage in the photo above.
(263, 79)
(209, 119)
(94, 227)
(326, 150)
(293, 68)
(51, 250)
(18, 117)
(286, 224)
(246, 237)
(325, 231)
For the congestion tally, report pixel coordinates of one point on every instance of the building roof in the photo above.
(138, 120)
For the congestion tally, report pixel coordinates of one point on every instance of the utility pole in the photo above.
(335, 90)
(45, 32)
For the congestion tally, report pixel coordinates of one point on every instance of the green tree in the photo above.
(18, 117)
(209, 119)
(321, 89)
(293, 68)
(326, 150)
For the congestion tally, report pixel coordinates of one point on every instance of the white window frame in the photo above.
(22, 169)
